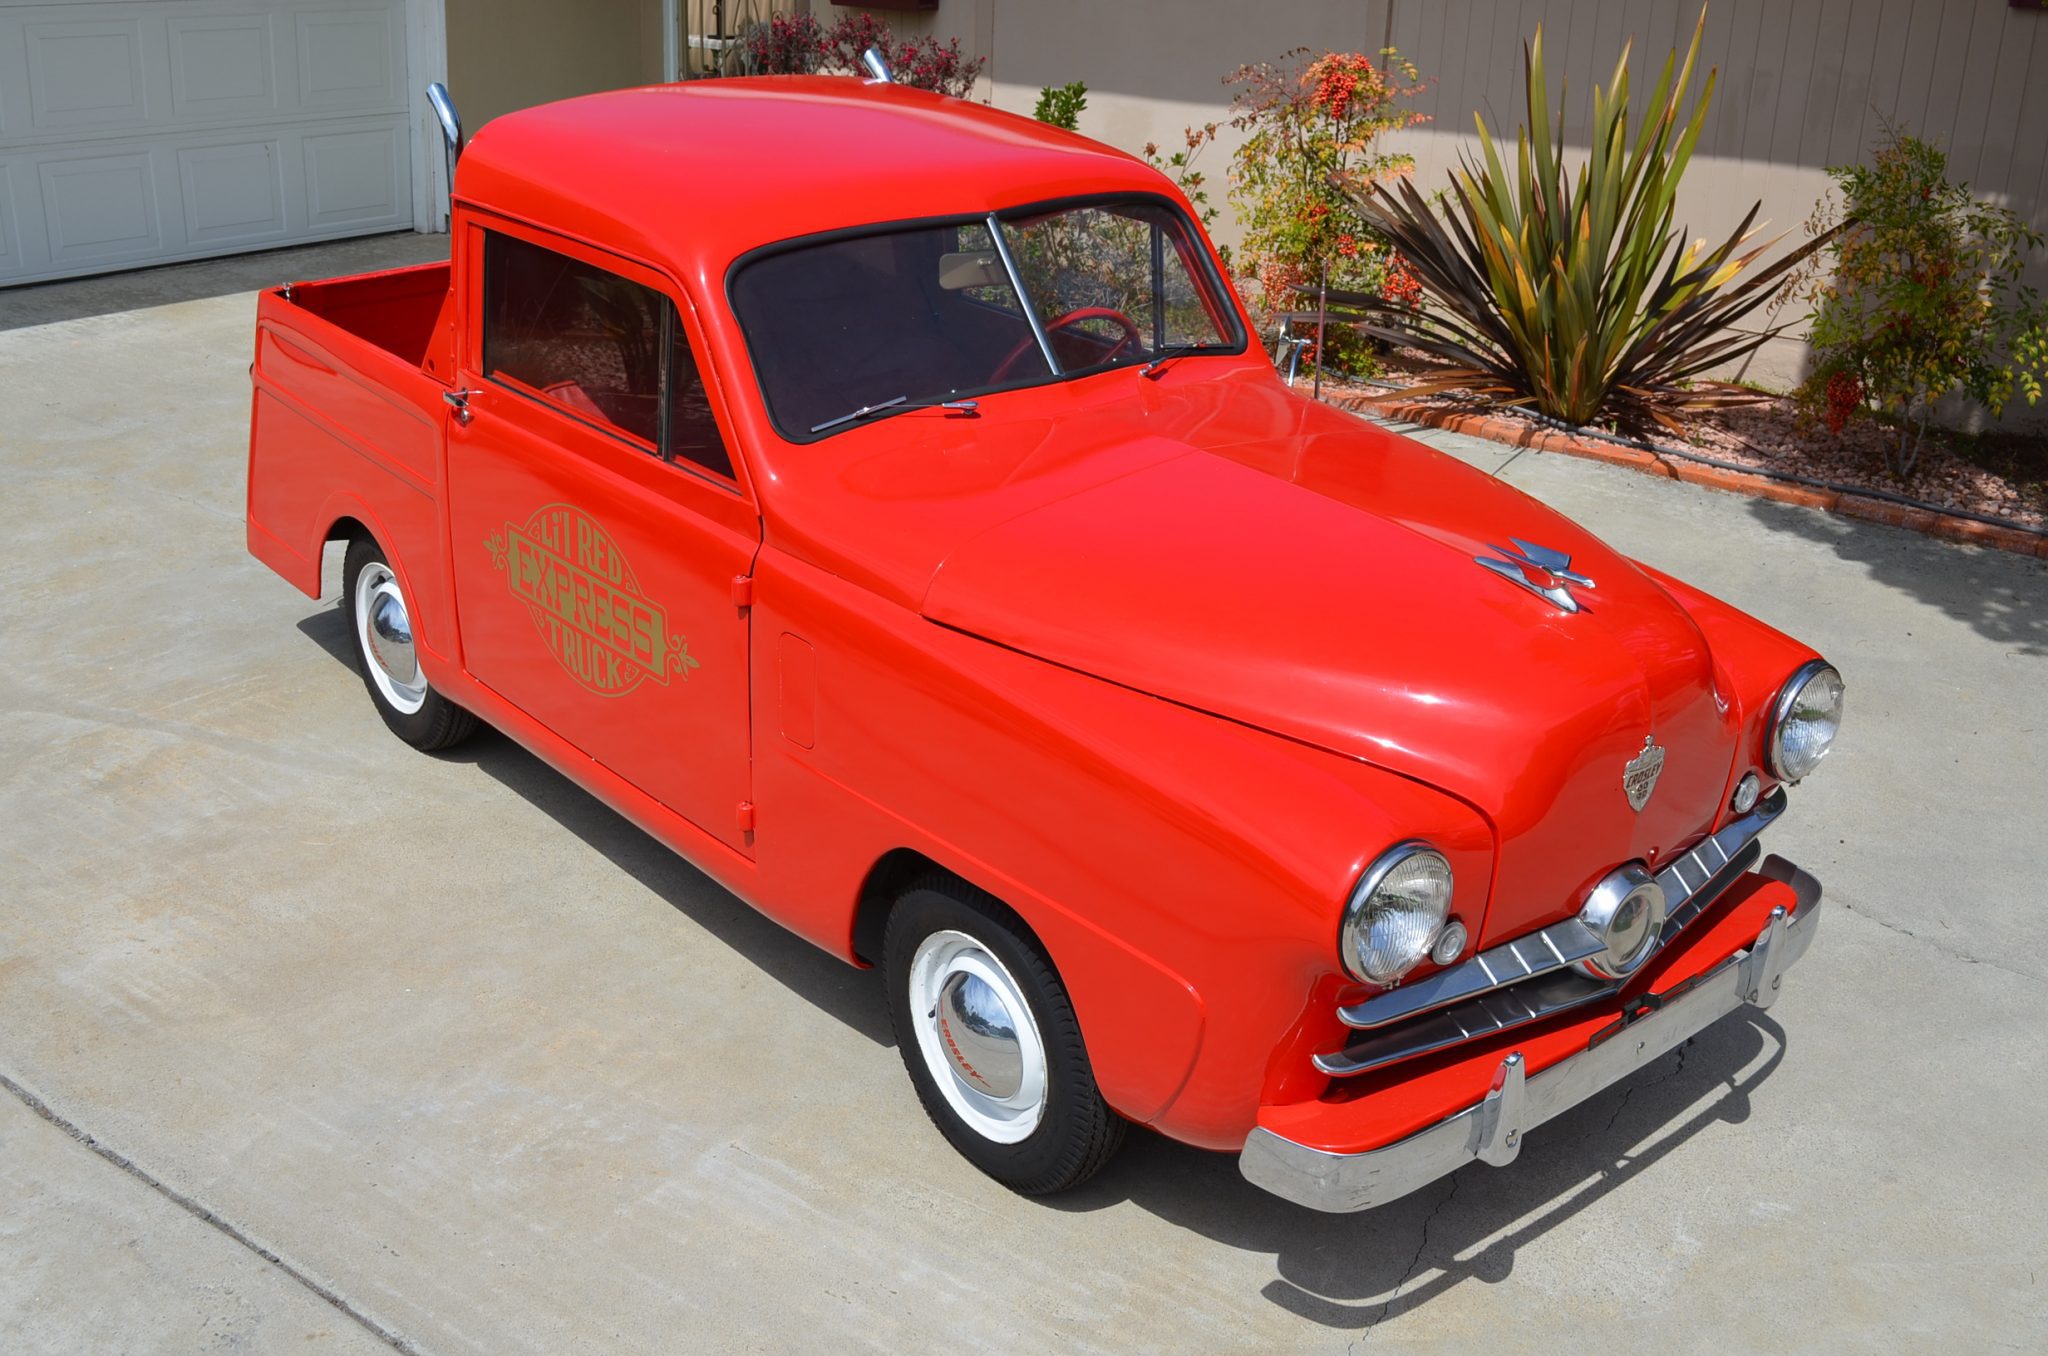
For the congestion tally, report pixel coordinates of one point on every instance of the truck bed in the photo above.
(346, 428)
(394, 310)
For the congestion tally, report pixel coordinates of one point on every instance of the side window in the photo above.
(692, 431)
(601, 347)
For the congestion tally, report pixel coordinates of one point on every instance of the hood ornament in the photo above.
(1639, 777)
(1546, 573)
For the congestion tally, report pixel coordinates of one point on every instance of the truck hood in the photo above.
(1323, 587)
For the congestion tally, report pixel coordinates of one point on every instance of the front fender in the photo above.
(1185, 873)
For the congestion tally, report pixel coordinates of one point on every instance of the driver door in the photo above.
(597, 527)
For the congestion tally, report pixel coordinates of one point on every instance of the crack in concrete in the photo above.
(1949, 951)
(394, 1340)
(1630, 1088)
(1415, 1262)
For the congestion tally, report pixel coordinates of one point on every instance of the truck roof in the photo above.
(694, 175)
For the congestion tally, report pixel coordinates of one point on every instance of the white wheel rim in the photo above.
(1003, 1098)
(384, 637)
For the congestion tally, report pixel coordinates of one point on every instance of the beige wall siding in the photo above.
(507, 54)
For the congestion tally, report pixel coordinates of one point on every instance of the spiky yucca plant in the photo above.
(1577, 295)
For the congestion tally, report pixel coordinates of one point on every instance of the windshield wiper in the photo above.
(1168, 354)
(885, 406)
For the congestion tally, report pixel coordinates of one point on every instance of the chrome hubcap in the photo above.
(977, 1037)
(384, 634)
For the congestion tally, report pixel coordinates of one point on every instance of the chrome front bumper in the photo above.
(1492, 1129)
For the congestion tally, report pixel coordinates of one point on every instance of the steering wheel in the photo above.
(1132, 336)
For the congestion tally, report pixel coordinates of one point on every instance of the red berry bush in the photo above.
(797, 44)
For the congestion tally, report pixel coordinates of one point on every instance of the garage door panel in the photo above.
(354, 177)
(145, 131)
(101, 208)
(85, 74)
(233, 194)
(350, 59)
(11, 261)
(221, 66)
(13, 77)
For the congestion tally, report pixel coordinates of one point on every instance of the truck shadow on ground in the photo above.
(2000, 595)
(1342, 1271)
(850, 996)
(1355, 1271)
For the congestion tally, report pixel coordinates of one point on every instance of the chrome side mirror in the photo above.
(877, 67)
(451, 130)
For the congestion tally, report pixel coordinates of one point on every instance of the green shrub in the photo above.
(1061, 105)
(1315, 129)
(1570, 291)
(1921, 298)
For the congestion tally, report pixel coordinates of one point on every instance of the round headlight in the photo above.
(1805, 721)
(1396, 912)
(1626, 912)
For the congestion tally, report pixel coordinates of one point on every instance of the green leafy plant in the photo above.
(1575, 293)
(1315, 127)
(1921, 297)
(1061, 105)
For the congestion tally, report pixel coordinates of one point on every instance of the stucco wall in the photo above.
(507, 54)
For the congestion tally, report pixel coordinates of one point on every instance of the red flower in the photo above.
(1401, 286)
(1845, 396)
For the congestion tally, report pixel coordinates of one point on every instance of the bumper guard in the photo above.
(1492, 1129)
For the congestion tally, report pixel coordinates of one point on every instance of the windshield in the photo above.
(873, 324)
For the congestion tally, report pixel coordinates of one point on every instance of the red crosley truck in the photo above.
(882, 500)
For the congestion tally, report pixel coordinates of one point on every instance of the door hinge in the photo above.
(745, 816)
(743, 590)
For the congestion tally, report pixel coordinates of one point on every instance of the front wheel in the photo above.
(381, 624)
(991, 1041)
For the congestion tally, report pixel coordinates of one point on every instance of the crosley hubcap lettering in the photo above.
(977, 1037)
(390, 637)
(586, 602)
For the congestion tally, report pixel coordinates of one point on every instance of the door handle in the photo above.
(459, 402)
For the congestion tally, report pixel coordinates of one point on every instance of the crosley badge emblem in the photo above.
(1639, 778)
(586, 602)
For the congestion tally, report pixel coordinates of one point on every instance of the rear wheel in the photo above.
(381, 624)
(991, 1041)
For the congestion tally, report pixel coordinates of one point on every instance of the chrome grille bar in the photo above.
(1690, 882)
(1497, 1009)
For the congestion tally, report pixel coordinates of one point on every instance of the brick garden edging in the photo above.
(1522, 433)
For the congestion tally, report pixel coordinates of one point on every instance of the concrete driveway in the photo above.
(312, 1041)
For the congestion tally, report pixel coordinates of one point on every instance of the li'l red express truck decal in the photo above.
(586, 602)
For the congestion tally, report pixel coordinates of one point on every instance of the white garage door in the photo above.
(138, 133)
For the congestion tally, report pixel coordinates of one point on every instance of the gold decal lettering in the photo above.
(586, 602)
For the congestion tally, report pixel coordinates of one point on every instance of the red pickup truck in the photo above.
(882, 501)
